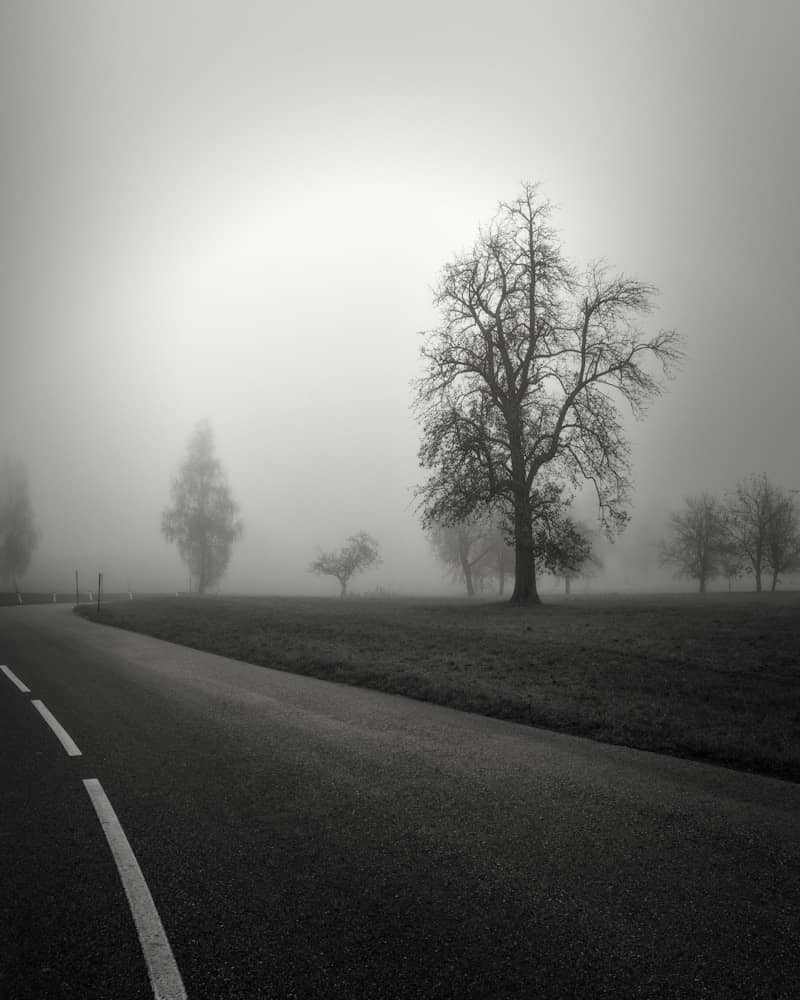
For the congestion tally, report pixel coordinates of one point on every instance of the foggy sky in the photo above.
(236, 211)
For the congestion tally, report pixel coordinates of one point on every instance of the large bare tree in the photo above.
(524, 375)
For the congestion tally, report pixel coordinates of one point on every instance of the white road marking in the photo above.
(15, 680)
(161, 967)
(66, 740)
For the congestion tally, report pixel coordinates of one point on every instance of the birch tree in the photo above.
(204, 519)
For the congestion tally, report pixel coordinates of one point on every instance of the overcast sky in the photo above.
(236, 211)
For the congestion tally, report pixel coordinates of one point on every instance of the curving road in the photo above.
(301, 839)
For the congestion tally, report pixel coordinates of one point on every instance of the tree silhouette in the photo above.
(18, 534)
(203, 520)
(359, 553)
(523, 377)
(699, 544)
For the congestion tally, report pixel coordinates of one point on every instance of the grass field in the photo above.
(713, 677)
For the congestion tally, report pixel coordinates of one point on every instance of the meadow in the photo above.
(713, 677)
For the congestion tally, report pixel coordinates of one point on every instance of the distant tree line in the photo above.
(519, 407)
(753, 529)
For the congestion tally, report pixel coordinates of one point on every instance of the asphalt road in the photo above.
(302, 839)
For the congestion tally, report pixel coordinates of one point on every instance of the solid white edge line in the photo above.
(161, 966)
(64, 738)
(15, 680)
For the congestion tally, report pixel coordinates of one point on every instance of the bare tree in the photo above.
(18, 534)
(204, 519)
(762, 521)
(699, 541)
(523, 377)
(359, 553)
(499, 557)
(782, 550)
(463, 548)
(572, 553)
(731, 566)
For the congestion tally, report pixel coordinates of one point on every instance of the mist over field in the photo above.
(237, 213)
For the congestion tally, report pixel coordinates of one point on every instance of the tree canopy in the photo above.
(203, 520)
(524, 375)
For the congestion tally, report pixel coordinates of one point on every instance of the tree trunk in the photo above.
(758, 580)
(566, 585)
(343, 591)
(201, 576)
(466, 566)
(702, 582)
(501, 579)
(774, 586)
(524, 561)
(525, 591)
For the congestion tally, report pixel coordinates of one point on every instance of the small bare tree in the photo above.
(699, 541)
(573, 554)
(462, 549)
(731, 566)
(523, 377)
(359, 553)
(762, 521)
(500, 556)
(782, 550)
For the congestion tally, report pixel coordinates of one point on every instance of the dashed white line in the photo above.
(65, 739)
(15, 680)
(161, 966)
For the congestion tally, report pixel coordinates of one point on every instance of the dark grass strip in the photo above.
(713, 678)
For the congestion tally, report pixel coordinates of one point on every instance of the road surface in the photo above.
(299, 839)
